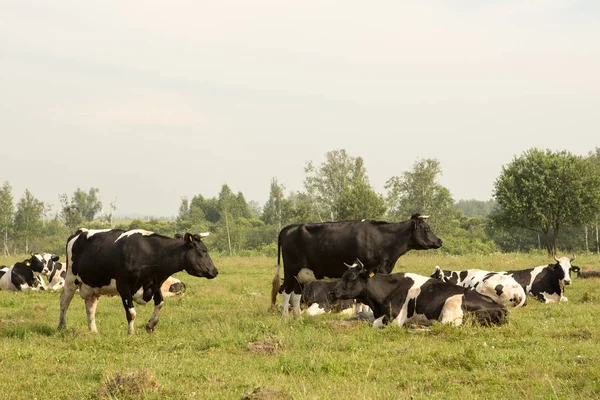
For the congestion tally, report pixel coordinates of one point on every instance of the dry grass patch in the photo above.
(266, 394)
(130, 385)
(267, 346)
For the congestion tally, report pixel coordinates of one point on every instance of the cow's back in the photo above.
(94, 256)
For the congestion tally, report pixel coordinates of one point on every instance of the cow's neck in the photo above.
(397, 231)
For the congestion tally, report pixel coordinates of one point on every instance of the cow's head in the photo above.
(48, 260)
(563, 269)
(505, 293)
(423, 237)
(353, 283)
(197, 261)
(39, 264)
(438, 273)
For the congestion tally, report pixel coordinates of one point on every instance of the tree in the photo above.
(28, 218)
(544, 191)
(329, 184)
(273, 210)
(82, 207)
(475, 208)
(417, 191)
(6, 214)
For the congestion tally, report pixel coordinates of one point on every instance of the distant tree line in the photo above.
(542, 201)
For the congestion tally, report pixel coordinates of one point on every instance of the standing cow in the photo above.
(133, 264)
(320, 250)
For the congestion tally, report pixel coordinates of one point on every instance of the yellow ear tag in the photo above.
(371, 274)
(191, 238)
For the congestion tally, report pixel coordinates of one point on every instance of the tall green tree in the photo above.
(417, 191)
(332, 184)
(544, 191)
(273, 209)
(80, 208)
(7, 213)
(28, 218)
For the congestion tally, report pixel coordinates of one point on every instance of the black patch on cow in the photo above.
(177, 287)
(488, 276)
(463, 275)
(498, 289)
(63, 274)
(410, 309)
(476, 284)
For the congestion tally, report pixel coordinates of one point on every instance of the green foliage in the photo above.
(28, 218)
(7, 214)
(82, 207)
(544, 191)
(475, 208)
(417, 191)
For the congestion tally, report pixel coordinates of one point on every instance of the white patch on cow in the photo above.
(306, 275)
(350, 311)
(164, 288)
(378, 323)
(87, 291)
(6, 280)
(133, 232)
(452, 310)
(154, 318)
(551, 298)
(285, 311)
(419, 280)
(204, 234)
(92, 232)
(90, 309)
(534, 273)
(314, 309)
(138, 296)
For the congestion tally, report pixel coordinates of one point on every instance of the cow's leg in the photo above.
(296, 303)
(158, 303)
(285, 301)
(452, 312)
(90, 308)
(65, 299)
(127, 299)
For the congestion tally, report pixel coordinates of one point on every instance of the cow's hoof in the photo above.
(149, 329)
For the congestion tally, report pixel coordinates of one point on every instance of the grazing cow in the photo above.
(502, 288)
(397, 298)
(315, 295)
(546, 282)
(133, 264)
(320, 250)
(585, 273)
(25, 275)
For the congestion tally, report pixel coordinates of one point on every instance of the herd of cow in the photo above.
(137, 265)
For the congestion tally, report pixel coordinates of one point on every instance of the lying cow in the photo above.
(396, 298)
(502, 288)
(133, 264)
(172, 287)
(546, 282)
(315, 296)
(25, 275)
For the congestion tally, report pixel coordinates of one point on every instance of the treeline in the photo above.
(543, 200)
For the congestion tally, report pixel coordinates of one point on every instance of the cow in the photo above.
(56, 280)
(172, 287)
(25, 275)
(398, 298)
(585, 273)
(320, 250)
(133, 264)
(502, 288)
(315, 296)
(546, 282)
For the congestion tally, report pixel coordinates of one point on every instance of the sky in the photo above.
(150, 101)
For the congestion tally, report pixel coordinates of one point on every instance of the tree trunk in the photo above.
(6, 252)
(597, 242)
(228, 235)
(26, 245)
(587, 245)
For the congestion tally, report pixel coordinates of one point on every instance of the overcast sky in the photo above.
(150, 100)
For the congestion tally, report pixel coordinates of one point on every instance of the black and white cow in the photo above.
(133, 264)
(320, 250)
(316, 298)
(546, 282)
(25, 275)
(172, 287)
(56, 279)
(503, 289)
(397, 298)
(585, 273)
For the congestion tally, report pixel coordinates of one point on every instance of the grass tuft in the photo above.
(129, 386)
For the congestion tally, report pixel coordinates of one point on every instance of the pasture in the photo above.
(221, 341)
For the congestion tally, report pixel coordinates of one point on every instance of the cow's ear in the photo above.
(188, 238)
(55, 258)
(575, 268)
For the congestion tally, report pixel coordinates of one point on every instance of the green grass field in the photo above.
(221, 341)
